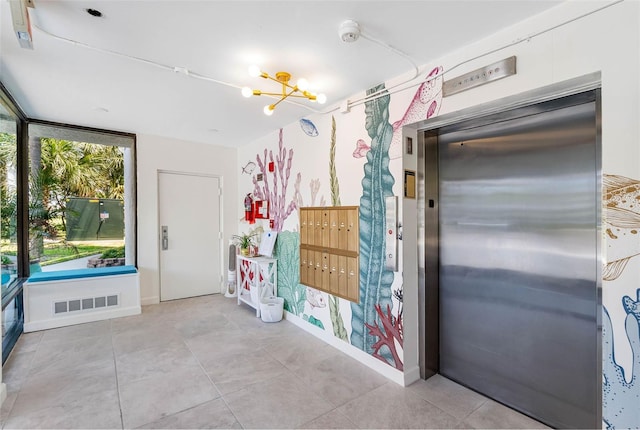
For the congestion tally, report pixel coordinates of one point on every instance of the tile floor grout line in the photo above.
(293, 372)
(301, 426)
(334, 408)
(474, 410)
(4, 425)
(19, 390)
(212, 383)
(460, 420)
(115, 367)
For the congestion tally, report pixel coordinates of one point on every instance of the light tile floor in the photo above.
(208, 363)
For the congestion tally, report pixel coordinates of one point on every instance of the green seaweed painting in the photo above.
(334, 303)
(333, 175)
(313, 320)
(336, 319)
(289, 288)
(377, 184)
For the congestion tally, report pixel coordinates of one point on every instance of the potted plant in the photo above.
(244, 241)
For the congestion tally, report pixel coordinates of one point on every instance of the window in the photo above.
(81, 211)
(10, 203)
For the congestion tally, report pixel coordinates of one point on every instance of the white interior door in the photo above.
(190, 235)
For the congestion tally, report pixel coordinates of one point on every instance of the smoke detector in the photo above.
(349, 31)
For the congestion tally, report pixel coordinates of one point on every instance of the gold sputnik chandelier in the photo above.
(300, 89)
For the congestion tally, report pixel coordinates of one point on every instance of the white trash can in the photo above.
(271, 309)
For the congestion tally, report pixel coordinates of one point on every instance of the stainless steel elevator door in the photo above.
(518, 263)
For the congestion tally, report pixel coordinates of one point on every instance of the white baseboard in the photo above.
(153, 300)
(368, 360)
(411, 375)
(81, 318)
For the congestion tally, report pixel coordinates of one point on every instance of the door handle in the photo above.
(165, 238)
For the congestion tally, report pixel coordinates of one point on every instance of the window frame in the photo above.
(22, 220)
(126, 140)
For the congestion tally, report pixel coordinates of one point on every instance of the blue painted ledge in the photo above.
(81, 273)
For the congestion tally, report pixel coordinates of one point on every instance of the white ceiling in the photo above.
(72, 83)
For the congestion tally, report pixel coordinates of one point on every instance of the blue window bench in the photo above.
(68, 297)
(81, 273)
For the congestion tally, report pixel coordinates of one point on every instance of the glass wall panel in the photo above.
(12, 317)
(8, 199)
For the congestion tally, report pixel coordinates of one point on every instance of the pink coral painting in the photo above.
(273, 187)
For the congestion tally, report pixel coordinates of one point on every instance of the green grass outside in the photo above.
(47, 260)
(59, 252)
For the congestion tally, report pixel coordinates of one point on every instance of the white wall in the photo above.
(157, 153)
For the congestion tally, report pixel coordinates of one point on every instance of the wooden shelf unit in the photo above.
(329, 250)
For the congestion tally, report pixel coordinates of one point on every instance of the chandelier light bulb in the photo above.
(254, 71)
(288, 89)
(303, 84)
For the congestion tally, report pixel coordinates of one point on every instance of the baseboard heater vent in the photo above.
(86, 304)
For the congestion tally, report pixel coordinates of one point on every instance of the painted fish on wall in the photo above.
(249, 167)
(315, 298)
(621, 201)
(425, 104)
(308, 127)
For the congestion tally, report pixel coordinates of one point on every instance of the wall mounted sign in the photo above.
(481, 76)
(410, 184)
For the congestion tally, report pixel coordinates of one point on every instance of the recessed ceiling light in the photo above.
(94, 12)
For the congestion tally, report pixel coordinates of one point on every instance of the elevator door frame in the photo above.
(425, 134)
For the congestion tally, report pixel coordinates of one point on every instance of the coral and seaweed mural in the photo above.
(361, 149)
(337, 322)
(375, 323)
(620, 394)
(314, 186)
(333, 174)
(334, 302)
(367, 320)
(389, 335)
(276, 194)
(289, 288)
